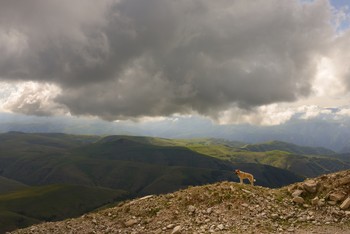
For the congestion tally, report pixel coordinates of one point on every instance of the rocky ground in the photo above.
(320, 205)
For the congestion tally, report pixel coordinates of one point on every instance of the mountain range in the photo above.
(332, 132)
(79, 173)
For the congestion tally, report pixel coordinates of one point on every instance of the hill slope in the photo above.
(304, 161)
(288, 147)
(139, 165)
(49, 203)
(224, 207)
(8, 185)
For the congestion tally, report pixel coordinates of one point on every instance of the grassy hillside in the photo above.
(8, 185)
(288, 147)
(49, 203)
(59, 158)
(301, 160)
(15, 143)
(128, 163)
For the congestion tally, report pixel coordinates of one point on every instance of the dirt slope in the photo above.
(313, 206)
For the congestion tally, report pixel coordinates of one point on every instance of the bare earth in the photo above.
(224, 207)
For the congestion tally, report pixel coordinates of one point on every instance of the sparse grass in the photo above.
(53, 202)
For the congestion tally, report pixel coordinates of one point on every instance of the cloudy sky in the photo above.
(234, 61)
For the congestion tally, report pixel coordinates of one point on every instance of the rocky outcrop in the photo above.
(333, 189)
(223, 208)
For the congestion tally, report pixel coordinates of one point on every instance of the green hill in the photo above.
(301, 160)
(8, 185)
(49, 203)
(288, 147)
(122, 162)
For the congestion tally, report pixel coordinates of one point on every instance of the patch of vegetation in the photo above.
(49, 203)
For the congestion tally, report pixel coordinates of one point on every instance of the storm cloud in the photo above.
(132, 58)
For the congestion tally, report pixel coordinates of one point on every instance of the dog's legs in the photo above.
(240, 180)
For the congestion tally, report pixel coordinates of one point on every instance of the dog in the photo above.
(244, 175)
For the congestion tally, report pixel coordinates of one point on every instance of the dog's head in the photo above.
(237, 171)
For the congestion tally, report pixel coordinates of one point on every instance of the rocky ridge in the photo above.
(313, 206)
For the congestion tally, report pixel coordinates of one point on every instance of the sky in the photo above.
(233, 61)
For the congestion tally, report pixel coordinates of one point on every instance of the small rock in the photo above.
(310, 186)
(130, 222)
(170, 226)
(315, 201)
(332, 203)
(298, 200)
(176, 229)
(345, 204)
(321, 202)
(336, 197)
(145, 197)
(297, 193)
(221, 226)
(191, 208)
(246, 191)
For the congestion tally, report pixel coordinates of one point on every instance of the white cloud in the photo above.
(233, 61)
(327, 82)
(30, 98)
(267, 115)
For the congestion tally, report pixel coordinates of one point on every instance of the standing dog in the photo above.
(244, 175)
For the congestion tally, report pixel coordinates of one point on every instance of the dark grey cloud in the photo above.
(132, 58)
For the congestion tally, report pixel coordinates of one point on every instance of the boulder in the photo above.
(310, 186)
